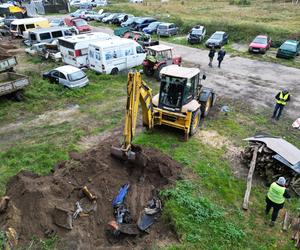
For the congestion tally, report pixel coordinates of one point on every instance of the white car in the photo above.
(68, 76)
(136, 1)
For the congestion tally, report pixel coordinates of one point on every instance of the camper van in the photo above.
(74, 50)
(47, 35)
(112, 56)
(18, 26)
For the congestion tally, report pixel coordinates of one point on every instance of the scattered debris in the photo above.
(4, 203)
(225, 109)
(296, 124)
(89, 194)
(77, 211)
(295, 225)
(119, 199)
(63, 218)
(12, 239)
(148, 216)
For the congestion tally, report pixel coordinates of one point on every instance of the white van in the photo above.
(19, 26)
(74, 50)
(112, 56)
(48, 35)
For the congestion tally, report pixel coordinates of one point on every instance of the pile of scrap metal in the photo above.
(123, 223)
(142, 38)
(276, 158)
(45, 50)
(64, 217)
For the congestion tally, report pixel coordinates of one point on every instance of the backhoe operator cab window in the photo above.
(176, 92)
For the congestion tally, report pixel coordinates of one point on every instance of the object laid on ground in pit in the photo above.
(63, 218)
(87, 192)
(3, 204)
(119, 199)
(148, 216)
(77, 211)
(11, 239)
(277, 158)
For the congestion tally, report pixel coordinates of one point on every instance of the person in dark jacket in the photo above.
(276, 197)
(221, 55)
(211, 55)
(281, 100)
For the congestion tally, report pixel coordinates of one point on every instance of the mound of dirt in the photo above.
(34, 199)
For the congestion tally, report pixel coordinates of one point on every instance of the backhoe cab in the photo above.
(181, 102)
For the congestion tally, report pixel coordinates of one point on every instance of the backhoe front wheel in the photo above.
(195, 121)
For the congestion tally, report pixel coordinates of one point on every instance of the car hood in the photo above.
(258, 45)
(83, 27)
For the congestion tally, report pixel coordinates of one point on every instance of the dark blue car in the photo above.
(151, 28)
(142, 22)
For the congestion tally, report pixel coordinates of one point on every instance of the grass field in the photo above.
(204, 208)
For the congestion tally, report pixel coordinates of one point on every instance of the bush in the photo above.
(239, 2)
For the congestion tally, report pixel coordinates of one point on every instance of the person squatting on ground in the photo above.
(221, 55)
(282, 98)
(276, 197)
(211, 55)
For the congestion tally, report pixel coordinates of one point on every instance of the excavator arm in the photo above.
(137, 93)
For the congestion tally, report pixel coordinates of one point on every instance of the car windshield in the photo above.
(162, 27)
(260, 40)
(76, 76)
(217, 36)
(13, 27)
(153, 25)
(80, 22)
(288, 46)
(196, 31)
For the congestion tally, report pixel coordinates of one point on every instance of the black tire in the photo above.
(206, 106)
(114, 71)
(148, 71)
(195, 121)
(19, 95)
(157, 72)
(88, 19)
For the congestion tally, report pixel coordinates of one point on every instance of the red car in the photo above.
(80, 24)
(260, 44)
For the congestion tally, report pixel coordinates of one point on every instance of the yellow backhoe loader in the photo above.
(181, 103)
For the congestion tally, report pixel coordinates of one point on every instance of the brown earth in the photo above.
(33, 199)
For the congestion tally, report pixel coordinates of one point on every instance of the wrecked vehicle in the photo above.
(45, 50)
(196, 35)
(11, 83)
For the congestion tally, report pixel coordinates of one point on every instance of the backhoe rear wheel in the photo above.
(206, 106)
(195, 121)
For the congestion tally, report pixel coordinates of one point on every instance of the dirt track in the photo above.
(241, 78)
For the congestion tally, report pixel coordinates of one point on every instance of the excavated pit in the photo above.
(33, 199)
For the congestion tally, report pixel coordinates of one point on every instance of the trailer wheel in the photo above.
(206, 106)
(114, 71)
(19, 96)
(195, 121)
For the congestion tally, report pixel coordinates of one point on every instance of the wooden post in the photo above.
(285, 221)
(249, 178)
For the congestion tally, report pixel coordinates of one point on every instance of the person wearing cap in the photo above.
(276, 197)
(281, 100)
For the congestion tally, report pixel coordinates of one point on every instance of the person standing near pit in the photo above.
(221, 55)
(276, 197)
(211, 55)
(282, 98)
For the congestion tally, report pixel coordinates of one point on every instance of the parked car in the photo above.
(100, 17)
(142, 22)
(109, 18)
(44, 50)
(9, 19)
(136, 1)
(57, 22)
(99, 3)
(151, 28)
(289, 49)
(217, 39)
(68, 76)
(196, 35)
(260, 44)
(130, 21)
(167, 29)
(80, 24)
(89, 15)
(77, 13)
(121, 18)
(75, 3)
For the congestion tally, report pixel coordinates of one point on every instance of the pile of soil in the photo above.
(33, 199)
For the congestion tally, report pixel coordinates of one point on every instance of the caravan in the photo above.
(112, 56)
(74, 50)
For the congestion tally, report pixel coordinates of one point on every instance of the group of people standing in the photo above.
(211, 55)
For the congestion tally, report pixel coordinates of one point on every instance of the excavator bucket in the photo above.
(133, 155)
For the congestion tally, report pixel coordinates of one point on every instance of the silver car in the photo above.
(68, 76)
(167, 29)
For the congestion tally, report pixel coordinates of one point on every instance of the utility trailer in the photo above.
(11, 83)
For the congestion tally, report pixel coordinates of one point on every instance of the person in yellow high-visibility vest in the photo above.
(281, 100)
(276, 197)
